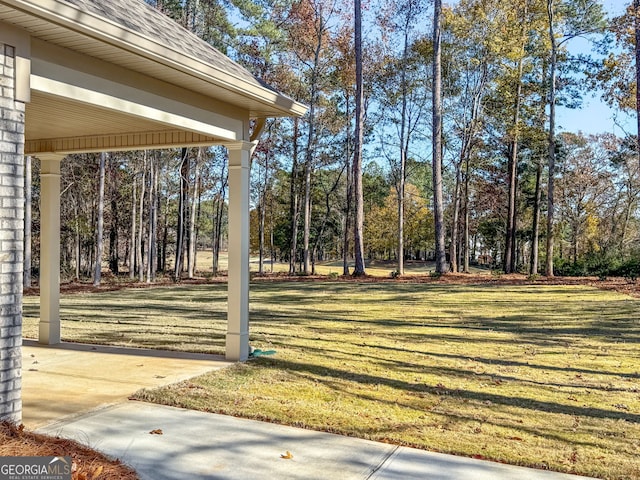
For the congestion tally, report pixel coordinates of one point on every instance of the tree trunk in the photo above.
(217, 233)
(196, 232)
(194, 210)
(165, 235)
(272, 246)
(466, 218)
(78, 250)
(262, 209)
(349, 193)
(438, 203)
(182, 201)
(97, 273)
(140, 241)
(552, 140)
(636, 23)
(262, 215)
(309, 154)
(306, 234)
(358, 230)
(155, 258)
(535, 227)
(27, 222)
(133, 230)
(218, 214)
(294, 200)
(151, 234)
(404, 147)
(453, 251)
(512, 167)
(114, 257)
(400, 197)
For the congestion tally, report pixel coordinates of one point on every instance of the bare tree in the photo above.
(359, 268)
(97, 272)
(636, 24)
(114, 257)
(182, 212)
(294, 203)
(133, 229)
(140, 238)
(152, 237)
(535, 224)
(194, 210)
(552, 138)
(512, 167)
(218, 213)
(438, 203)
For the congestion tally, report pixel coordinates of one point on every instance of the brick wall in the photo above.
(11, 238)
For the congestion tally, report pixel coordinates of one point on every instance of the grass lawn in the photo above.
(537, 375)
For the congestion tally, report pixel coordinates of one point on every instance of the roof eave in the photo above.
(273, 104)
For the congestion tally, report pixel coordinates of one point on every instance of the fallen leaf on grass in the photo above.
(157, 431)
(287, 455)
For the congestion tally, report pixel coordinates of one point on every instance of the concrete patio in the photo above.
(81, 392)
(68, 379)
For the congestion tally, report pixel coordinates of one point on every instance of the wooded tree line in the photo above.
(517, 192)
(147, 213)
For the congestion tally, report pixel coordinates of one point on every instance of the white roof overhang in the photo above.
(118, 75)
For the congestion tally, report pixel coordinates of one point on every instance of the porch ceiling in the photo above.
(58, 124)
(81, 119)
(118, 74)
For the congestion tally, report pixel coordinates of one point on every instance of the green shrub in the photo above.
(629, 269)
(568, 268)
(600, 264)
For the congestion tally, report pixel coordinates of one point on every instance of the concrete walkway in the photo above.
(72, 378)
(204, 446)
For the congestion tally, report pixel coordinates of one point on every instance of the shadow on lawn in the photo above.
(468, 374)
(328, 375)
(617, 318)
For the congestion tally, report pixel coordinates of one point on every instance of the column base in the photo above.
(237, 347)
(49, 333)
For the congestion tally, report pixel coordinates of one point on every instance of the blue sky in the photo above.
(595, 116)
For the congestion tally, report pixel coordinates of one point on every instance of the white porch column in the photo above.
(49, 333)
(237, 342)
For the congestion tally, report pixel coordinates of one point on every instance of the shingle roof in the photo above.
(142, 18)
(133, 35)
